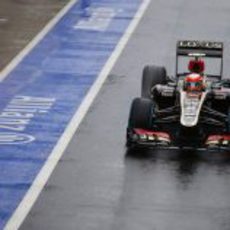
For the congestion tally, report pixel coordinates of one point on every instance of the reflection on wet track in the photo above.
(176, 190)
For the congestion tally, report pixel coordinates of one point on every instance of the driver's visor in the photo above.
(193, 85)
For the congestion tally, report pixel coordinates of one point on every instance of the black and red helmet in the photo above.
(194, 82)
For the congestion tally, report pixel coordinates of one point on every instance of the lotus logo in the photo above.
(15, 138)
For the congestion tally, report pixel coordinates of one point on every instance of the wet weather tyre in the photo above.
(228, 121)
(141, 114)
(152, 75)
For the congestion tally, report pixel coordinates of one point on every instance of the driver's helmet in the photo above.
(194, 83)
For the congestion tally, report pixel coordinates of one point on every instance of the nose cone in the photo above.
(190, 108)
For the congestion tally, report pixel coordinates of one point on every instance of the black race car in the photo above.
(188, 111)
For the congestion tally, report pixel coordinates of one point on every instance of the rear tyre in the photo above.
(152, 75)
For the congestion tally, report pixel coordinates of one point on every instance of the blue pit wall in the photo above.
(41, 95)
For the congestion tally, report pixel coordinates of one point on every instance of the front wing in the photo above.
(163, 140)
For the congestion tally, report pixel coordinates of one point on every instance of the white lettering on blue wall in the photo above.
(17, 116)
(15, 138)
(99, 19)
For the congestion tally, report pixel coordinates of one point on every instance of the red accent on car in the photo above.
(196, 66)
(218, 138)
(154, 133)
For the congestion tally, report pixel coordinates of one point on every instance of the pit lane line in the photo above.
(32, 194)
(5, 72)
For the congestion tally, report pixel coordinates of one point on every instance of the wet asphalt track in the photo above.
(98, 186)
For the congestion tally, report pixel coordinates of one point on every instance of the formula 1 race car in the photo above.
(188, 111)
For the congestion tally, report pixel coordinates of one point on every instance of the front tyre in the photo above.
(228, 121)
(141, 116)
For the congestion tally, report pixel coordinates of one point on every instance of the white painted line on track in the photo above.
(40, 181)
(5, 72)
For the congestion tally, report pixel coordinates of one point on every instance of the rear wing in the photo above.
(205, 49)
